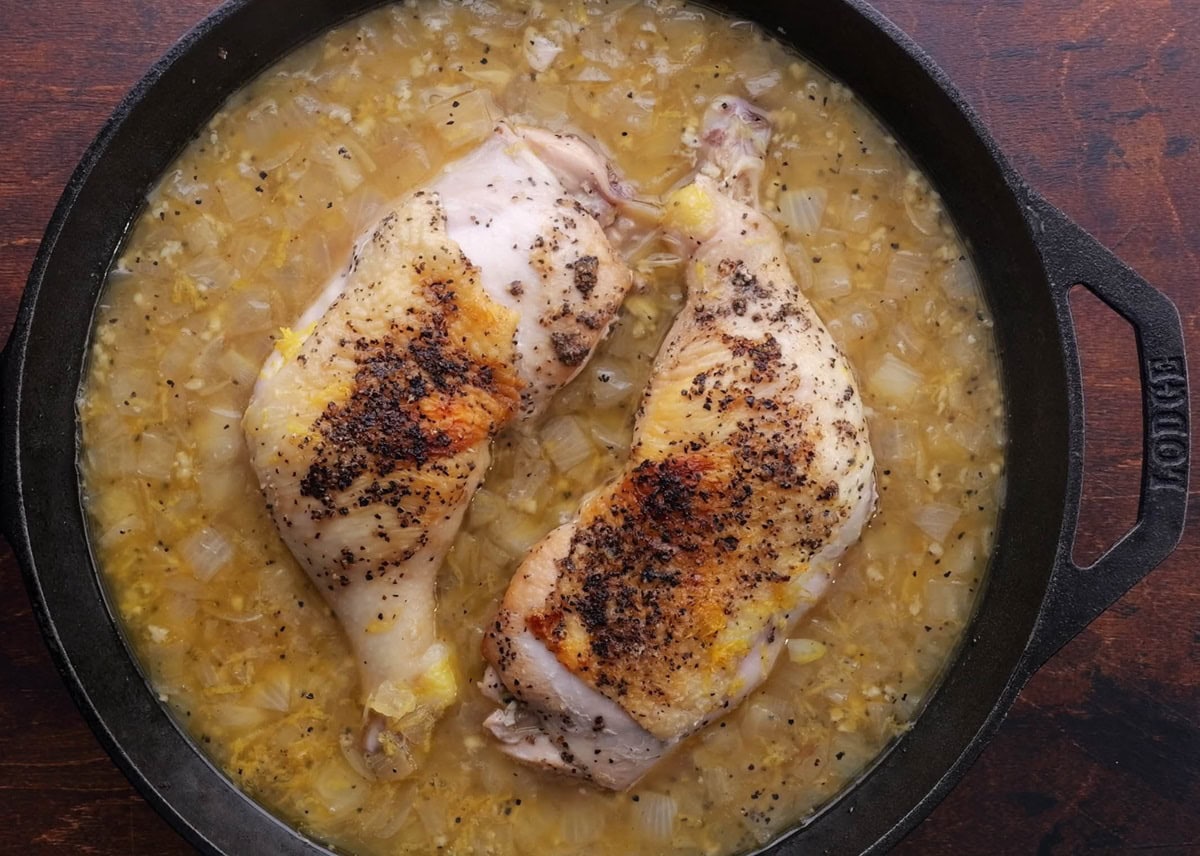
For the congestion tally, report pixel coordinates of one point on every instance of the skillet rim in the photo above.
(18, 353)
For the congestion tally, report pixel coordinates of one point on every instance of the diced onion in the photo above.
(177, 610)
(155, 456)
(184, 585)
(240, 198)
(936, 519)
(922, 205)
(967, 433)
(219, 438)
(582, 824)
(495, 75)
(597, 46)
(960, 281)
(857, 216)
(895, 380)
(201, 235)
(120, 529)
(249, 312)
(240, 368)
(719, 784)
(613, 437)
(433, 818)
(277, 157)
(593, 74)
(207, 552)
(339, 163)
(831, 280)
(566, 443)
(193, 358)
(182, 186)
(800, 262)
(249, 249)
(906, 272)
(540, 51)
(463, 557)
(868, 170)
(862, 321)
(907, 340)
(765, 718)
(655, 814)
(894, 441)
(653, 261)
(485, 507)
(756, 86)
(801, 651)
(856, 315)
(802, 210)
(643, 307)
(830, 240)
(364, 208)
(239, 717)
(272, 690)
(133, 388)
(353, 753)
(610, 384)
(531, 472)
(492, 556)
(388, 818)
(945, 600)
(261, 125)
(763, 826)
(340, 788)
(517, 533)
(221, 486)
(464, 119)
(718, 745)
(231, 614)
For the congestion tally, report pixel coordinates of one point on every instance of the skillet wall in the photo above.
(976, 190)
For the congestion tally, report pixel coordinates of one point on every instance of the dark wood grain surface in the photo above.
(1097, 104)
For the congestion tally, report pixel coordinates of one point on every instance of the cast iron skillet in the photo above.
(1028, 253)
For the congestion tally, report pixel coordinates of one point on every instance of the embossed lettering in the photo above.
(1168, 390)
(1168, 424)
(1166, 365)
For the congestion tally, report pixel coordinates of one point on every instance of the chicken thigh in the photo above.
(671, 595)
(370, 426)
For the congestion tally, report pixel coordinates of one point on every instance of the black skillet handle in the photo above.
(1078, 595)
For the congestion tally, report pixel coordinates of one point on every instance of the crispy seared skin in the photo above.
(466, 308)
(432, 379)
(369, 438)
(675, 571)
(669, 598)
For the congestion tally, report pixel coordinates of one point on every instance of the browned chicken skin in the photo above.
(466, 308)
(670, 596)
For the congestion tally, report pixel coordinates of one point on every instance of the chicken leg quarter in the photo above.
(370, 427)
(668, 599)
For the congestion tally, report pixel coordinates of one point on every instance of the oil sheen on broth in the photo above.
(262, 209)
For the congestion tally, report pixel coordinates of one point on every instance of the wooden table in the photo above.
(1097, 103)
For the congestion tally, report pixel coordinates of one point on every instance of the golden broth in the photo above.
(261, 210)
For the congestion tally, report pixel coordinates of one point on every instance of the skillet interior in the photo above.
(165, 112)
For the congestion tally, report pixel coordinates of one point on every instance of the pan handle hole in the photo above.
(1112, 426)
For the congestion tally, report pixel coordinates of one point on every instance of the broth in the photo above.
(262, 209)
